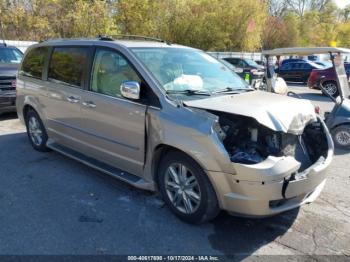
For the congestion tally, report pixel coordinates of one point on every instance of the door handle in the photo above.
(73, 99)
(89, 104)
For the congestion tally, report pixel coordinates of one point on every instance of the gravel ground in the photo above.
(50, 204)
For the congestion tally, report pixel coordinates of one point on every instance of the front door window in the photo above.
(110, 70)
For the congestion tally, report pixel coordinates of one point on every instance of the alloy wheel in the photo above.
(343, 138)
(330, 88)
(35, 132)
(182, 188)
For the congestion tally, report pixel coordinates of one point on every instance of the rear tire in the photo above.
(331, 88)
(341, 136)
(36, 131)
(186, 189)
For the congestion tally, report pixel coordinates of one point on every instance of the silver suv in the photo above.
(10, 58)
(171, 118)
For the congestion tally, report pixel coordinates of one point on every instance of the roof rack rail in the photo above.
(114, 37)
(105, 38)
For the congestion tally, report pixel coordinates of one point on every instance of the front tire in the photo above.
(186, 189)
(331, 88)
(341, 136)
(36, 131)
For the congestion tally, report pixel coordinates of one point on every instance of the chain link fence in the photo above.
(21, 45)
(253, 56)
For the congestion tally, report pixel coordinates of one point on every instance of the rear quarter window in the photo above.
(33, 62)
(68, 64)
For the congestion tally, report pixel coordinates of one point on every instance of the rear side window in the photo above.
(286, 67)
(307, 66)
(68, 65)
(33, 62)
(295, 66)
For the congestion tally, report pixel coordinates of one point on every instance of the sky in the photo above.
(342, 3)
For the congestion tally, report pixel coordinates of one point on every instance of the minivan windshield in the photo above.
(10, 55)
(189, 71)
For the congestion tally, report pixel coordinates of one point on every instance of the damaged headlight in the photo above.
(299, 122)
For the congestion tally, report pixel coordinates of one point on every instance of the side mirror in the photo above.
(130, 90)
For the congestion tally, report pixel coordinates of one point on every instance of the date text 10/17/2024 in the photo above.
(173, 258)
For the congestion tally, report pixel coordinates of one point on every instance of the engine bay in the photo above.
(249, 142)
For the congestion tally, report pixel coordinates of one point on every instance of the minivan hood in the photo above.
(8, 69)
(277, 112)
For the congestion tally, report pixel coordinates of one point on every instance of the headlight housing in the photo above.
(299, 122)
(218, 130)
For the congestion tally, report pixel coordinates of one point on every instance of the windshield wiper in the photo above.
(232, 90)
(189, 92)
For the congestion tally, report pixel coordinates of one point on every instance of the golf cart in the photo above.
(338, 120)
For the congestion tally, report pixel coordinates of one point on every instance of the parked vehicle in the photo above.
(250, 70)
(260, 62)
(232, 67)
(338, 120)
(166, 117)
(297, 71)
(10, 58)
(328, 79)
(292, 60)
(248, 65)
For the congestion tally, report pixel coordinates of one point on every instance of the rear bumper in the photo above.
(8, 103)
(312, 84)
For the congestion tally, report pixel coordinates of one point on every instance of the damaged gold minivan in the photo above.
(171, 118)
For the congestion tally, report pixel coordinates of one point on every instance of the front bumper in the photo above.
(267, 193)
(8, 103)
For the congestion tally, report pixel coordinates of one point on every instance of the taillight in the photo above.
(312, 75)
(14, 83)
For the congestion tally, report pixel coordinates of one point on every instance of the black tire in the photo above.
(341, 136)
(31, 114)
(208, 207)
(332, 86)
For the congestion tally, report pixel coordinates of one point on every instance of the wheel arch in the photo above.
(26, 109)
(160, 151)
(329, 81)
(340, 122)
(31, 103)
